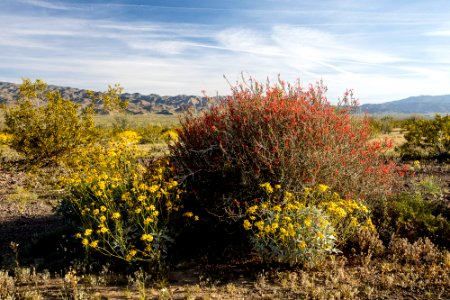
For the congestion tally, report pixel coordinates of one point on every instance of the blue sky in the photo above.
(383, 50)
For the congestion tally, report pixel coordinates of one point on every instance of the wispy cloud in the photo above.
(48, 4)
(147, 52)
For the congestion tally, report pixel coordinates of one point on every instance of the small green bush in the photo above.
(414, 217)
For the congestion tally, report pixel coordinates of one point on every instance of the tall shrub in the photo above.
(278, 133)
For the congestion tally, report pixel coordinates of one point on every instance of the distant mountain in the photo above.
(138, 103)
(411, 105)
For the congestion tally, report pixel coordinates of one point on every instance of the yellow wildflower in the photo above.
(188, 214)
(103, 208)
(307, 222)
(277, 208)
(146, 237)
(85, 242)
(94, 244)
(252, 209)
(247, 225)
(115, 216)
(87, 232)
(321, 188)
(267, 187)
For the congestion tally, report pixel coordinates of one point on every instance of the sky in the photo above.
(382, 50)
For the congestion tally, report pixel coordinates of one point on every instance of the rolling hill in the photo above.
(411, 105)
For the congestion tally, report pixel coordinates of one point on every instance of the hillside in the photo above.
(138, 103)
(411, 105)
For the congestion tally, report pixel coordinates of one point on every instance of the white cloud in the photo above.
(173, 58)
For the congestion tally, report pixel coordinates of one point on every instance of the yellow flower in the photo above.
(277, 208)
(278, 186)
(247, 225)
(103, 229)
(188, 214)
(94, 244)
(267, 187)
(95, 212)
(196, 218)
(154, 188)
(102, 208)
(321, 188)
(87, 232)
(102, 219)
(148, 220)
(115, 216)
(146, 237)
(252, 209)
(85, 242)
(102, 185)
(260, 225)
(141, 198)
(302, 245)
(78, 235)
(156, 213)
(138, 210)
(307, 222)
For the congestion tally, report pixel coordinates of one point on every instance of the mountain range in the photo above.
(139, 103)
(411, 105)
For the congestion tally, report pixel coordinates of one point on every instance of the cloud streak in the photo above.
(172, 57)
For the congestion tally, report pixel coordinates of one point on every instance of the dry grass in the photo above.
(138, 120)
(337, 279)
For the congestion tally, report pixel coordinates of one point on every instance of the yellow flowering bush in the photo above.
(298, 228)
(47, 127)
(123, 203)
(347, 216)
(285, 230)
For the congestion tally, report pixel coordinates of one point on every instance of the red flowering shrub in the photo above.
(281, 134)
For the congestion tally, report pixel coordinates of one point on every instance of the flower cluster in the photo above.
(284, 230)
(124, 204)
(303, 227)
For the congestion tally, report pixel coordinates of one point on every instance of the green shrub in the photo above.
(46, 127)
(426, 138)
(413, 217)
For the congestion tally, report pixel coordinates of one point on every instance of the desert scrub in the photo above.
(276, 133)
(122, 205)
(426, 138)
(47, 127)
